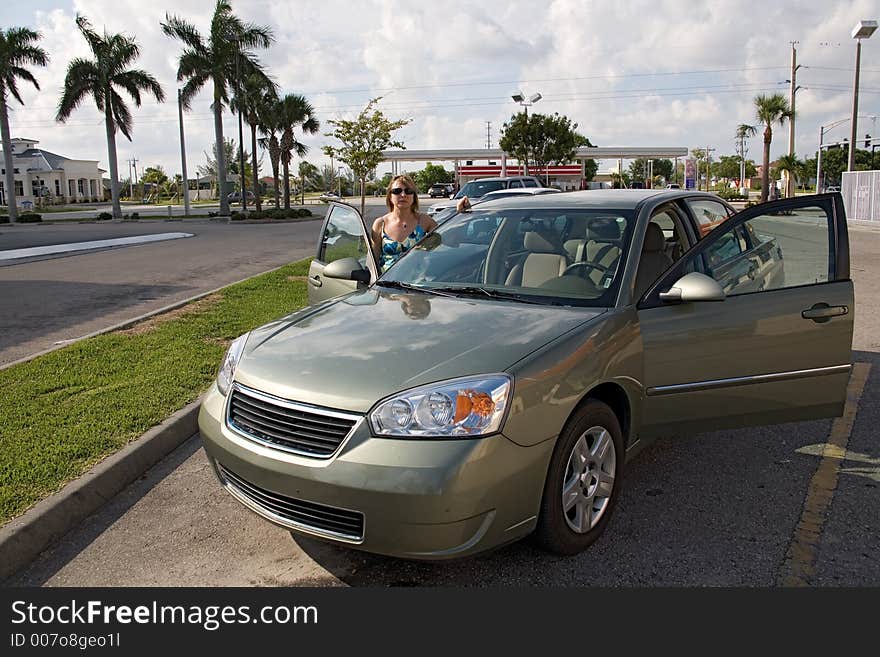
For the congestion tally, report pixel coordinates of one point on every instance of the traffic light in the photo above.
(867, 141)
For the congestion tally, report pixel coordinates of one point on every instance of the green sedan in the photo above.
(495, 381)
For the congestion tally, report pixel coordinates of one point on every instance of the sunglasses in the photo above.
(397, 191)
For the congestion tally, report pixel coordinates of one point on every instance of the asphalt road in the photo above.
(714, 509)
(49, 300)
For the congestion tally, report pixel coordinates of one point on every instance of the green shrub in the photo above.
(257, 214)
(303, 212)
(731, 195)
(4, 219)
(211, 213)
(104, 216)
(30, 218)
(238, 216)
(135, 215)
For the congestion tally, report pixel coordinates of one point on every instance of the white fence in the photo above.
(861, 195)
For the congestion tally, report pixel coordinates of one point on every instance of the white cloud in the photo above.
(640, 73)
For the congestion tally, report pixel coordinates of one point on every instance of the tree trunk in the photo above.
(254, 167)
(221, 153)
(286, 166)
(9, 192)
(363, 195)
(765, 172)
(111, 155)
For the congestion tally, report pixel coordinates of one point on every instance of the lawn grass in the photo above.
(65, 411)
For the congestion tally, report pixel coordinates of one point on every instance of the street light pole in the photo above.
(521, 99)
(183, 155)
(862, 30)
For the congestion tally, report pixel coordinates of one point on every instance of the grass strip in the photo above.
(65, 411)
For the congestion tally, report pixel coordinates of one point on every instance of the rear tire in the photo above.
(583, 480)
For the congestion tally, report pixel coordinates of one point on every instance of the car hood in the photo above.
(350, 353)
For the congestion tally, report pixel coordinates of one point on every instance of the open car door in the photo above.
(343, 235)
(775, 343)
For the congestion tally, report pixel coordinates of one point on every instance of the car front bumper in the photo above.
(415, 499)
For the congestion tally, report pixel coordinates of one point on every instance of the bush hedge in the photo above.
(293, 213)
(30, 218)
(104, 216)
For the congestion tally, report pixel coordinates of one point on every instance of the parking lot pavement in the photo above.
(715, 509)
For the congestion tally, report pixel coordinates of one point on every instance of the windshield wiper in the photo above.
(400, 285)
(476, 290)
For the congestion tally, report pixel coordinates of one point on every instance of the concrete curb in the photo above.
(25, 537)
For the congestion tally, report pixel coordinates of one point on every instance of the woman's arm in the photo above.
(376, 237)
(428, 223)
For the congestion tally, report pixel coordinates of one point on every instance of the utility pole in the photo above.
(792, 90)
(488, 134)
(130, 181)
(134, 163)
(183, 155)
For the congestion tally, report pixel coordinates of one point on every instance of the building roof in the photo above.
(52, 160)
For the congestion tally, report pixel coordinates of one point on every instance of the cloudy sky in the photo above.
(639, 73)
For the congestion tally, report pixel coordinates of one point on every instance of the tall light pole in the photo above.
(186, 210)
(862, 30)
(518, 97)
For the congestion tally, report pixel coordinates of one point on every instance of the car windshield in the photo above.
(567, 257)
(476, 188)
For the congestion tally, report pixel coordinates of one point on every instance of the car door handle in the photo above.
(315, 280)
(822, 312)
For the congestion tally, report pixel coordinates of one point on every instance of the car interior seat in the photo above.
(545, 260)
(602, 248)
(653, 261)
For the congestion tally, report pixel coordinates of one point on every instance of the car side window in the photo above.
(515, 184)
(528, 182)
(708, 213)
(787, 249)
(343, 237)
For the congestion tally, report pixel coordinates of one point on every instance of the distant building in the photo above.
(50, 178)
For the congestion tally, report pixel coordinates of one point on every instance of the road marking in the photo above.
(800, 561)
(36, 251)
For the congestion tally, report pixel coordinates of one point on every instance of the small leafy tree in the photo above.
(363, 141)
(541, 139)
(431, 174)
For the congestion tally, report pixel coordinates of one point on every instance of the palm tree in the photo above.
(222, 58)
(269, 141)
(770, 110)
(17, 50)
(293, 110)
(251, 99)
(99, 78)
(790, 163)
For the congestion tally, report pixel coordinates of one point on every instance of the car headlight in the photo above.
(468, 407)
(230, 362)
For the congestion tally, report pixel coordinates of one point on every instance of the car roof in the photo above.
(609, 199)
(521, 190)
(493, 178)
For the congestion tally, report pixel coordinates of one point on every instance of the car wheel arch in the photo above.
(615, 397)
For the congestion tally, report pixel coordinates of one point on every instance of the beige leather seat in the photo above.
(653, 261)
(603, 249)
(545, 261)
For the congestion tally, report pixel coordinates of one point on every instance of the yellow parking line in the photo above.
(800, 562)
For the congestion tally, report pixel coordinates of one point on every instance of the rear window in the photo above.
(476, 188)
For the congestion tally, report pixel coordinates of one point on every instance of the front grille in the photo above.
(299, 514)
(287, 425)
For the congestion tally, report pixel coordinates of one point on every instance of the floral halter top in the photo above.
(392, 249)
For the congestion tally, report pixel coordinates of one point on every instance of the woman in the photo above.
(404, 226)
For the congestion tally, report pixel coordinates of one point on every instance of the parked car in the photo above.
(329, 196)
(440, 190)
(673, 186)
(556, 338)
(476, 188)
(833, 188)
(235, 197)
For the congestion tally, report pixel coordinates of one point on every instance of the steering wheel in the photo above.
(585, 265)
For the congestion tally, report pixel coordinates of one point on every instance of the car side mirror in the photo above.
(348, 269)
(693, 287)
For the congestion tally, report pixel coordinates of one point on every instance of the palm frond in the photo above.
(134, 81)
(82, 79)
(121, 114)
(177, 28)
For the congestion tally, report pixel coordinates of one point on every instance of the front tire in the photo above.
(583, 480)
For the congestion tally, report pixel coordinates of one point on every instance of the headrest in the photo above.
(603, 229)
(537, 243)
(654, 239)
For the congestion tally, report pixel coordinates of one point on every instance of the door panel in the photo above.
(762, 355)
(344, 235)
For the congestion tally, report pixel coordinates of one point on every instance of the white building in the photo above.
(54, 179)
